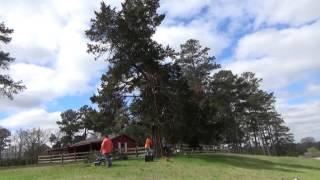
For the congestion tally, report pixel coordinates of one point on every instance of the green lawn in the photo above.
(216, 166)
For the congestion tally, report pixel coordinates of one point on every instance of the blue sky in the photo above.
(277, 40)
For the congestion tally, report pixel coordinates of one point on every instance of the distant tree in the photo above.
(196, 68)
(282, 139)
(110, 103)
(8, 87)
(86, 119)
(244, 115)
(4, 139)
(34, 139)
(305, 143)
(70, 124)
(308, 140)
(313, 152)
(224, 96)
(76, 124)
(196, 64)
(53, 139)
(20, 141)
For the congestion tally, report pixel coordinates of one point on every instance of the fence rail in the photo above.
(130, 152)
(81, 156)
(63, 158)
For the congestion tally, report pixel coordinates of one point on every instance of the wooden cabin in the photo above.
(121, 143)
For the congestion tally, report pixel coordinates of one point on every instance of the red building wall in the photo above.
(96, 144)
(122, 139)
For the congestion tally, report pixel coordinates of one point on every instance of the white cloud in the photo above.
(50, 50)
(313, 89)
(176, 35)
(285, 11)
(270, 12)
(32, 118)
(303, 119)
(240, 13)
(298, 42)
(280, 57)
(182, 8)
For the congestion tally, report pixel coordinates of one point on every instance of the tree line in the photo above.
(184, 94)
(23, 146)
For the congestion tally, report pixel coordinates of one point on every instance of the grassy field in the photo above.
(215, 166)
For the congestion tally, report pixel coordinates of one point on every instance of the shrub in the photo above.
(313, 152)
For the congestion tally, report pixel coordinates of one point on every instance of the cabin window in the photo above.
(122, 147)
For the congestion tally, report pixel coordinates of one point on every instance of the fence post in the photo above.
(90, 155)
(62, 158)
(75, 157)
(136, 151)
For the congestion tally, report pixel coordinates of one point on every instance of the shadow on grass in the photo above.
(252, 163)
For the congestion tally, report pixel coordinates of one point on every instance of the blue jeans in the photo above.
(109, 159)
(148, 151)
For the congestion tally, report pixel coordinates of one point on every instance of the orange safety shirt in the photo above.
(106, 146)
(148, 143)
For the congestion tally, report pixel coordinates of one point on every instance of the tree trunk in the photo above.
(157, 141)
(255, 141)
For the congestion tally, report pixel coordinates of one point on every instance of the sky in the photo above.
(277, 40)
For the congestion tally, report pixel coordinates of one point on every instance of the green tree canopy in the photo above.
(4, 141)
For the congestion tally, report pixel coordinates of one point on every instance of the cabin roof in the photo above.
(98, 140)
(87, 141)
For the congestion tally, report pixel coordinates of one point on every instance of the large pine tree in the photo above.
(125, 38)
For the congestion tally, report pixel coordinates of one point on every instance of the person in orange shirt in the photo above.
(106, 149)
(148, 146)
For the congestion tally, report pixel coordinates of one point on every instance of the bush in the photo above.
(17, 162)
(313, 152)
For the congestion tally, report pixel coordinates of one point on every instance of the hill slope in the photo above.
(215, 166)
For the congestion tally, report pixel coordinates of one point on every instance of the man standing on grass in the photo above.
(148, 145)
(106, 149)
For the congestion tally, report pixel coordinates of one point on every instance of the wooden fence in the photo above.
(82, 156)
(137, 152)
(63, 158)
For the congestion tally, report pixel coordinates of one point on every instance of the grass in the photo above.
(202, 166)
